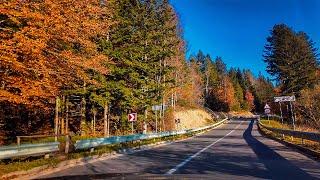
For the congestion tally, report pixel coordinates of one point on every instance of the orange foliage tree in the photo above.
(48, 45)
(250, 99)
(225, 94)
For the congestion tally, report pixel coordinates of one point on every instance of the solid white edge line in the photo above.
(171, 171)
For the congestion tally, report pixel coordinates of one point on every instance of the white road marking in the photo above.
(171, 171)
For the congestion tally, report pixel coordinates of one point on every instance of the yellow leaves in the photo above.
(250, 99)
(51, 45)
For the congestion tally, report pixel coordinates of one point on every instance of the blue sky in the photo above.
(236, 30)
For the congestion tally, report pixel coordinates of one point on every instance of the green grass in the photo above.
(18, 165)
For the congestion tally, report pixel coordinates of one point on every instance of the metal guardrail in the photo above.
(297, 134)
(91, 143)
(7, 152)
(18, 150)
(214, 114)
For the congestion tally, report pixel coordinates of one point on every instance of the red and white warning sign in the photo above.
(132, 117)
(267, 109)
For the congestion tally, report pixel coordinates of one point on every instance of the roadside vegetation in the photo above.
(293, 61)
(28, 163)
(312, 145)
(79, 67)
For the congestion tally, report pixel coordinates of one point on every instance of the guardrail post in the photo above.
(66, 150)
(302, 141)
(18, 141)
(46, 156)
(139, 143)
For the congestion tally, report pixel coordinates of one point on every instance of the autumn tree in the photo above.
(47, 46)
(249, 98)
(263, 91)
(308, 107)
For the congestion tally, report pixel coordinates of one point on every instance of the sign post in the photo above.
(292, 116)
(177, 121)
(156, 122)
(289, 99)
(131, 118)
(281, 113)
(156, 108)
(267, 111)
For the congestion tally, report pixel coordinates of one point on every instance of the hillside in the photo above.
(193, 118)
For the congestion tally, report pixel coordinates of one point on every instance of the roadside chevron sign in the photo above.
(132, 117)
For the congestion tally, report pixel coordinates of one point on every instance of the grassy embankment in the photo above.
(315, 146)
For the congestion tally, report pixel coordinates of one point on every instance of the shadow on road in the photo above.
(278, 167)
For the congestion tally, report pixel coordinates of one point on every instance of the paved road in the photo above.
(234, 150)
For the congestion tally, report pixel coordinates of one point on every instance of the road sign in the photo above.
(284, 99)
(158, 107)
(132, 117)
(177, 121)
(267, 106)
(267, 109)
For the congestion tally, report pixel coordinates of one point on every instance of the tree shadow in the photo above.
(278, 166)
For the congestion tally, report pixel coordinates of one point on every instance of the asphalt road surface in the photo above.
(234, 150)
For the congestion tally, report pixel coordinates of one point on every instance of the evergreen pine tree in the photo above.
(291, 58)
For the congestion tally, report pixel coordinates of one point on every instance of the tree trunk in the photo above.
(2, 124)
(144, 122)
(56, 119)
(63, 115)
(94, 124)
(172, 100)
(83, 112)
(207, 84)
(83, 116)
(108, 124)
(175, 100)
(67, 114)
(105, 114)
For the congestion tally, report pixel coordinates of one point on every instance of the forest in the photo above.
(84, 65)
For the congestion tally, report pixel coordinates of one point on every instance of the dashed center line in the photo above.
(171, 171)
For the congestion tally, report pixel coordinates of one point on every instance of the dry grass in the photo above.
(315, 146)
(193, 118)
(278, 124)
(241, 113)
